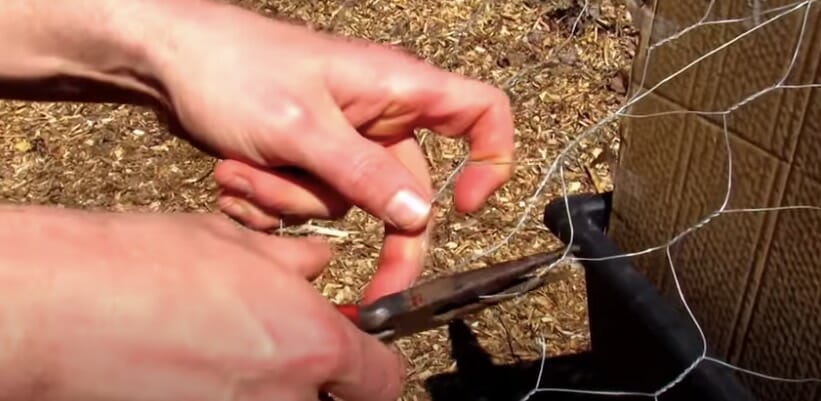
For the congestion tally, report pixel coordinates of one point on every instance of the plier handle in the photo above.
(436, 302)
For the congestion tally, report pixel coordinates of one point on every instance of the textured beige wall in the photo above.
(752, 279)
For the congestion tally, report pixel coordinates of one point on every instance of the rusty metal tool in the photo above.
(437, 302)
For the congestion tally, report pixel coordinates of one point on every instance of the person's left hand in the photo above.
(173, 307)
(266, 95)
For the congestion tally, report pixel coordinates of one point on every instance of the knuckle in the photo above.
(282, 119)
(288, 115)
(402, 86)
(364, 168)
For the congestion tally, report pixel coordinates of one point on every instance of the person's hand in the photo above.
(150, 307)
(266, 95)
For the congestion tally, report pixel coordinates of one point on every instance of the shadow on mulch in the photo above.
(477, 378)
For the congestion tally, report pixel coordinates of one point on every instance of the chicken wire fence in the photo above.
(570, 141)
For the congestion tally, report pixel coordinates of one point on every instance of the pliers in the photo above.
(437, 302)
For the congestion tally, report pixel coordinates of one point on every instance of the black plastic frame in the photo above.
(639, 341)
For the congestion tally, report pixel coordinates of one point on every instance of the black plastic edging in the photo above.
(639, 339)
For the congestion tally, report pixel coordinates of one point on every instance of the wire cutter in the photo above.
(436, 302)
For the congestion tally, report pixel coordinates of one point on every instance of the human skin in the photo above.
(307, 125)
(150, 307)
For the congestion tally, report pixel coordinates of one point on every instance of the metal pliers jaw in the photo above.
(439, 301)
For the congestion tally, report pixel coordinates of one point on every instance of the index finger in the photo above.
(422, 95)
(482, 114)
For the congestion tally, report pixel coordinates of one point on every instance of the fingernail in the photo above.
(241, 185)
(407, 209)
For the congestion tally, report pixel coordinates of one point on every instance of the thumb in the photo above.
(367, 175)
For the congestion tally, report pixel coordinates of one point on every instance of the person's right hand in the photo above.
(271, 97)
(145, 307)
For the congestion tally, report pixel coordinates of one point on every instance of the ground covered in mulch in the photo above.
(562, 72)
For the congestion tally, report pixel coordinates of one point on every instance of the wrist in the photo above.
(110, 42)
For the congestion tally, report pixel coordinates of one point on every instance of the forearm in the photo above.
(111, 43)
